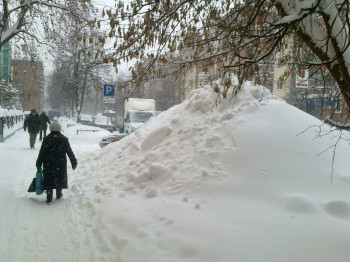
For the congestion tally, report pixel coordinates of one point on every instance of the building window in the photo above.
(18, 67)
(191, 83)
(338, 106)
(20, 81)
(279, 63)
(279, 85)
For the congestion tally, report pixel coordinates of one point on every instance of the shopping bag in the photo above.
(39, 182)
(32, 185)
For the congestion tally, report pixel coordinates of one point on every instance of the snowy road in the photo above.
(30, 229)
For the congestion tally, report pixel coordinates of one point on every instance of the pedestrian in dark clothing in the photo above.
(52, 157)
(32, 122)
(44, 119)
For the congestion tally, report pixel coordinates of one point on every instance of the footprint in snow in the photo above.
(338, 208)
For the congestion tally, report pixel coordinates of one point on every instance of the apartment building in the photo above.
(28, 77)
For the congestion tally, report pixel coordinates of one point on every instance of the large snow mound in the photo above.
(212, 179)
(178, 145)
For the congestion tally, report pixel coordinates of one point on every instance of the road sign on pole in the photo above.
(108, 100)
(108, 90)
(302, 78)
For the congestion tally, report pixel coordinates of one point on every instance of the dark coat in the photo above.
(52, 156)
(32, 123)
(44, 119)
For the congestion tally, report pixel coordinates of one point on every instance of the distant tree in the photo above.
(57, 88)
(75, 59)
(76, 79)
(232, 33)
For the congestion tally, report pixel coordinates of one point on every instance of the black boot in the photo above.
(59, 193)
(49, 196)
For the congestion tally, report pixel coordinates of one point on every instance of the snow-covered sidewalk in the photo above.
(30, 229)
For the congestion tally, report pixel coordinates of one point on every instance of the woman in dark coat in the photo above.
(52, 156)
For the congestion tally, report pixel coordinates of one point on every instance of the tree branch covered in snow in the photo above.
(35, 18)
(12, 95)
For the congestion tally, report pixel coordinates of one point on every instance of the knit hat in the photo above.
(55, 126)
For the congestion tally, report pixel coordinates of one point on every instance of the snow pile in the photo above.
(176, 148)
(219, 180)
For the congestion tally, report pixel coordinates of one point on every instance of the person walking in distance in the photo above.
(44, 119)
(53, 157)
(32, 123)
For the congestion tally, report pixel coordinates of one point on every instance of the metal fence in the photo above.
(87, 129)
(1, 129)
(9, 122)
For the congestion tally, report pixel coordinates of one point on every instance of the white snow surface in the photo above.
(239, 180)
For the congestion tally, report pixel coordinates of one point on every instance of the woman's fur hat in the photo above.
(55, 126)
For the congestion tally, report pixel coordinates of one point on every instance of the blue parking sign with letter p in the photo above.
(108, 90)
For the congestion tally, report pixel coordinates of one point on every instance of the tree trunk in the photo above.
(83, 92)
